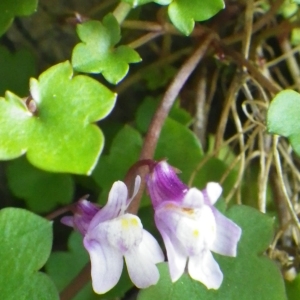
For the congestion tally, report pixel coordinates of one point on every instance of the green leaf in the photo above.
(11, 63)
(26, 241)
(96, 53)
(148, 107)
(159, 77)
(283, 117)
(293, 288)
(248, 276)
(10, 9)
(64, 266)
(58, 136)
(41, 190)
(183, 13)
(135, 3)
(180, 146)
(124, 152)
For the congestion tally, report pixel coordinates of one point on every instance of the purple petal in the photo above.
(68, 221)
(107, 265)
(177, 257)
(87, 208)
(212, 192)
(141, 262)
(137, 184)
(227, 235)
(164, 185)
(205, 269)
(116, 203)
(193, 199)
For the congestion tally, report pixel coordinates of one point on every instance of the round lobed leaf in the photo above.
(41, 190)
(58, 136)
(183, 14)
(96, 53)
(10, 9)
(283, 117)
(26, 241)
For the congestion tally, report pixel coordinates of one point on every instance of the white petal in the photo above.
(124, 232)
(176, 254)
(227, 235)
(137, 184)
(141, 262)
(205, 269)
(116, 203)
(193, 199)
(107, 265)
(151, 248)
(214, 191)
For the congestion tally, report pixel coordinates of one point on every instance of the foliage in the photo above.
(213, 89)
(26, 244)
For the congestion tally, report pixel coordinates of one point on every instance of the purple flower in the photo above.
(190, 226)
(111, 234)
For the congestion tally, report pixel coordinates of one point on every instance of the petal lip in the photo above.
(212, 192)
(228, 235)
(106, 265)
(177, 257)
(141, 262)
(205, 269)
(68, 221)
(137, 184)
(116, 203)
(193, 199)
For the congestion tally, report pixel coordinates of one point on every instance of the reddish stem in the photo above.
(164, 109)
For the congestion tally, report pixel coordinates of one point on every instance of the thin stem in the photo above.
(59, 212)
(164, 108)
(282, 185)
(121, 11)
(77, 283)
(144, 39)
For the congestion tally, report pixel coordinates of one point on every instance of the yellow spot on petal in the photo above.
(188, 211)
(196, 233)
(125, 223)
(134, 222)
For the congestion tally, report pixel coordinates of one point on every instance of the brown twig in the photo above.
(164, 108)
(77, 283)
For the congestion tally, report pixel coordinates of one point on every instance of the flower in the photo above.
(111, 234)
(191, 227)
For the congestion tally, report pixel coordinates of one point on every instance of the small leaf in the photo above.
(283, 117)
(58, 136)
(10, 9)
(41, 190)
(26, 241)
(11, 64)
(64, 266)
(183, 13)
(248, 276)
(96, 53)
